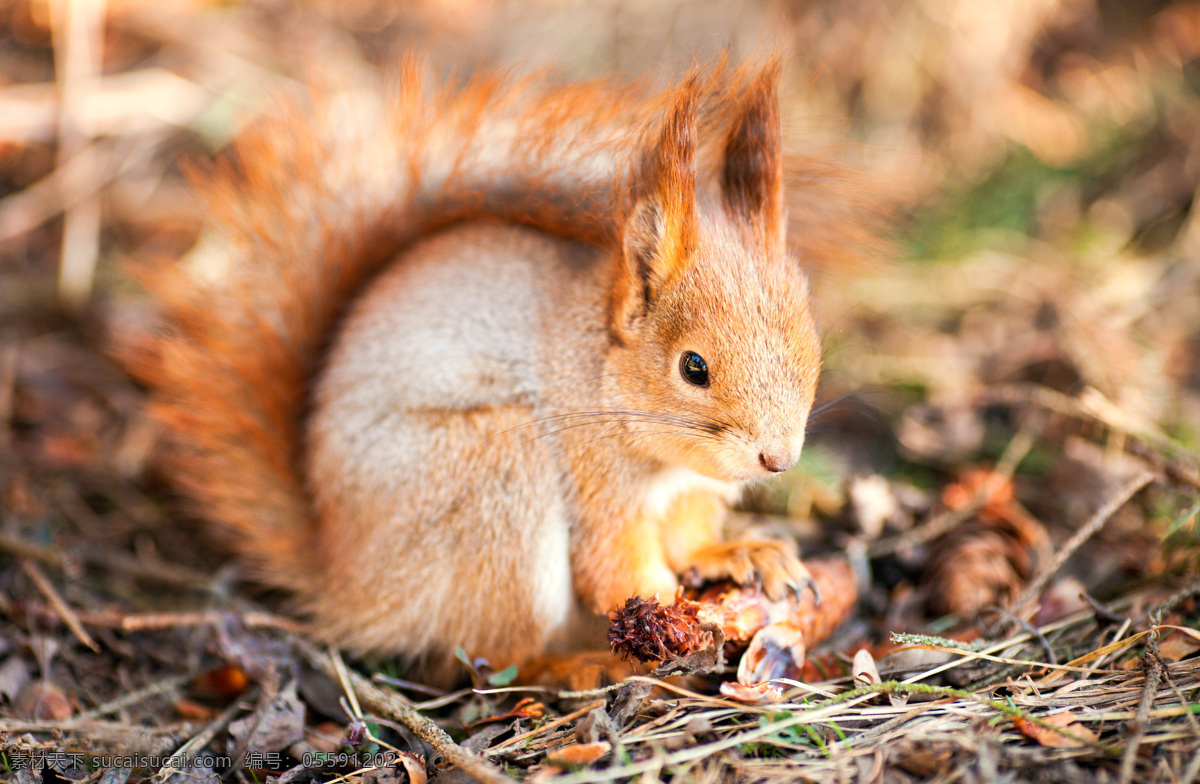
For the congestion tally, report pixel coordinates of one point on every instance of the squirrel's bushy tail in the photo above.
(312, 201)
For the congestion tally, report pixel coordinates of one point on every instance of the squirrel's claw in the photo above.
(771, 566)
(810, 584)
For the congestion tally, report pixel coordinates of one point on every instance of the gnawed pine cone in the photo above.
(647, 631)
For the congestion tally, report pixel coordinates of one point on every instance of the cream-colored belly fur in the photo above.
(439, 504)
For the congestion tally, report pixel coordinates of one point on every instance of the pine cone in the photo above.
(648, 631)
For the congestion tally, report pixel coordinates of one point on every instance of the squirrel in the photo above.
(478, 367)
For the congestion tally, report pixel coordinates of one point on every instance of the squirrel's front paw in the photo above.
(615, 586)
(773, 566)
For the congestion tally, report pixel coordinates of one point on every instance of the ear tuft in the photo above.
(660, 232)
(752, 177)
(668, 176)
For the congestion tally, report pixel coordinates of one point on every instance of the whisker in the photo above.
(597, 416)
(631, 434)
(648, 434)
(855, 402)
(618, 416)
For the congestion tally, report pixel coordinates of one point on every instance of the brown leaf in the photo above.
(1053, 739)
(220, 684)
(414, 766)
(1062, 598)
(959, 494)
(527, 708)
(594, 726)
(43, 701)
(765, 693)
(576, 754)
(275, 727)
(326, 736)
(1178, 647)
(190, 709)
(923, 760)
(630, 698)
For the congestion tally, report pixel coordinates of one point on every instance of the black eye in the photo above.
(693, 368)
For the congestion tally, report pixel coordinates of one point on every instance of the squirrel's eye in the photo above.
(693, 368)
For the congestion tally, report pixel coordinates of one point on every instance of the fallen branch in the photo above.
(1085, 532)
(395, 706)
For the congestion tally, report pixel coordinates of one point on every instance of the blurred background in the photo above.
(1046, 256)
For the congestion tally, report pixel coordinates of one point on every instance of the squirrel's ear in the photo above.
(752, 178)
(659, 233)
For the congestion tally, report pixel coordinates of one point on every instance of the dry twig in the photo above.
(395, 706)
(1085, 532)
(61, 608)
(1014, 453)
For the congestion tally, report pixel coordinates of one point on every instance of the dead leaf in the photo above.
(923, 760)
(575, 754)
(765, 693)
(220, 684)
(43, 701)
(865, 671)
(190, 709)
(873, 503)
(594, 726)
(1063, 597)
(972, 481)
(527, 708)
(414, 766)
(407, 769)
(276, 727)
(1178, 647)
(325, 737)
(1053, 739)
(483, 738)
(14, 674)
(630, 698)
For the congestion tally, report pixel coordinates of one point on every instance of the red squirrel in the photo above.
(476, 370)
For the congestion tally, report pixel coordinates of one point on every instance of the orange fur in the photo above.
(615, 184)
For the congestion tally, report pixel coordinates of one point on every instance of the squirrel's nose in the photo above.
(777, 462)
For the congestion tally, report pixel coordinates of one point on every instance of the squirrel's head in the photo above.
(716, 342)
